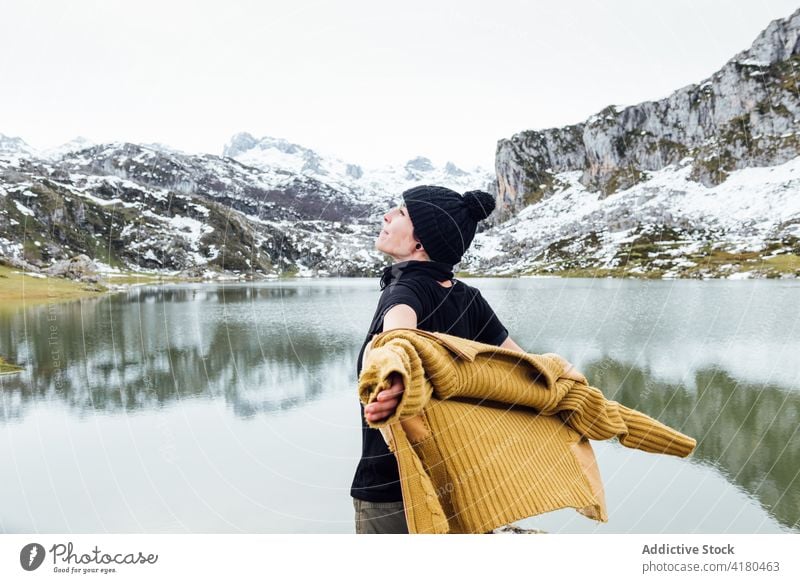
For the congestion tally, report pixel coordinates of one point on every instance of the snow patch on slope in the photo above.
(751, 207)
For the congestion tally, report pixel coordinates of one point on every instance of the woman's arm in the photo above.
(403, 316)
(399, 316)
(511, 345)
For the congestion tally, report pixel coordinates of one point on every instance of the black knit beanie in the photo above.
(444, 221)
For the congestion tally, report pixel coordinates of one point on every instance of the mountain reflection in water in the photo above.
(263, 349)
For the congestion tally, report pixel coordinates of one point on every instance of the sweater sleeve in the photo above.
(379, 364)
(547, 383)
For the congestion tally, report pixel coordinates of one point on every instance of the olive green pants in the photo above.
(380, 517)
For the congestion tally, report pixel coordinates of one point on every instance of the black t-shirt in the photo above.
(459, 310)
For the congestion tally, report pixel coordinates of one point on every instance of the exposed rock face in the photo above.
(267, 207)
(281, 195)
(746, 114)
(239, 143)
(79, 267)
(138, 207)
(668, 226)
(453, 170)
(419, 163)
(704, 183)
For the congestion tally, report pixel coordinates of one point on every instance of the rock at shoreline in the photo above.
(79, 267)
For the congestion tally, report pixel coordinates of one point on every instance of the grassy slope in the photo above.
(18, 290)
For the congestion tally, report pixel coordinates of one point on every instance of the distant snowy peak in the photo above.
(419, 164)
(74, 145)
(368, 184)
(275, 153)
(13, 148)
(17, 148)
(243, 142)
(239, 144)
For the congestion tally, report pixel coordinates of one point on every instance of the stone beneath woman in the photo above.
(425, 235)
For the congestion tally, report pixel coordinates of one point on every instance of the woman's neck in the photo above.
(444, 283)
(436, 271)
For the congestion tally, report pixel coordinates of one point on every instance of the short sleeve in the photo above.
(489, 329)
(400, 294)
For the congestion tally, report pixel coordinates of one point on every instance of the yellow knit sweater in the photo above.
(485, 436)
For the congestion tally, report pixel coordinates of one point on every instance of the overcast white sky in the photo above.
(370, 82)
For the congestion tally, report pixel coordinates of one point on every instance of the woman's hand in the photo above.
(399, 316)
(387, 400)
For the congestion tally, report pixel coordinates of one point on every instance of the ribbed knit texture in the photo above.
(485, 436)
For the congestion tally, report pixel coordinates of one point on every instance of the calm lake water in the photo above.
(232, 408)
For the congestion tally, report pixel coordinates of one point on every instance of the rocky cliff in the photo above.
(746, 114)
(703, 183)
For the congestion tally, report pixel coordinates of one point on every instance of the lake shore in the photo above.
(20, 288)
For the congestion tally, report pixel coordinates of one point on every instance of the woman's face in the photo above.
(397, 237)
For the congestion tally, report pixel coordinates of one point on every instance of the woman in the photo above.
(426, 235)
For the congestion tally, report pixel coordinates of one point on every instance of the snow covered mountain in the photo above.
(667, 226)
(136, 207)
(378, 186)
(746, 114)
(702, 183)
(74, 145)
(267, 207)
(14, 148)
